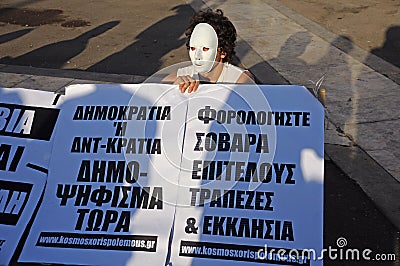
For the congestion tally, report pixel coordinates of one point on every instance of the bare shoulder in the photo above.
(170, 78)
(245, 78)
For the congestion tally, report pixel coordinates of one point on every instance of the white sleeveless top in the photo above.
(229, 74)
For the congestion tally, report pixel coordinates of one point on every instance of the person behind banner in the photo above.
(211, 38)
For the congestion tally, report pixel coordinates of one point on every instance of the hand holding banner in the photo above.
(234, 172)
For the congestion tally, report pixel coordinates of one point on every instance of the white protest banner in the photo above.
(251, 184)
(27, 121)
(112, 186)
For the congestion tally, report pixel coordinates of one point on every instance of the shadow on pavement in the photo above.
(144, 56)
(57, 54)
(390, 51)
(13, 35)
(351, 215)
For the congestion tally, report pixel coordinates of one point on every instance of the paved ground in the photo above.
(373, 25)
(49, 44)
(112, 36)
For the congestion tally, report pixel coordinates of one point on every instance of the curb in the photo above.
(74, 74)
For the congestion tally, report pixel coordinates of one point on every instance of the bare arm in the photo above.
(170, 78)
(246, 78)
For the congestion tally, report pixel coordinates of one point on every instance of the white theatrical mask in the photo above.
(203, 47)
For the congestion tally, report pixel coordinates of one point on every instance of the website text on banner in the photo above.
(240, 165)
(111, 190)
(252, 177)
